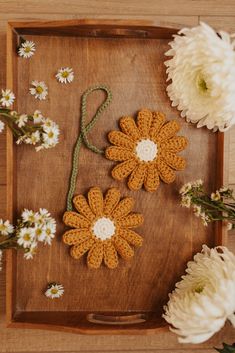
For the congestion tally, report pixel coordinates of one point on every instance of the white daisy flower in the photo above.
(215, 196)
(29, 216)
(54, 290)
(40, 232)
(50, 230)
(1, 255)
(185, 188)
(204, 299)
(186, 201)
(2, 125)
(26, 237)
(30, 252)
(13, 113)
(65, 75)
(50, 136)
(33, 138)
(39, 90)
(37, 117)
(6, 227)
(7, 98)
(202, 71)
(197, 210)
(27, 49)
(22, 120)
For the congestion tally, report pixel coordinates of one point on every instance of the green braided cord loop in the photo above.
(82, 138)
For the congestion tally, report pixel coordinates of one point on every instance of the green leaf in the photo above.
(226, 348)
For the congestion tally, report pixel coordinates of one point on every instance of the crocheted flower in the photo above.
(102, 226)
(147, 150)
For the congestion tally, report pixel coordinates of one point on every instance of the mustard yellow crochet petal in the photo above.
(95, 255)
(131, 221)
(157, 122)
(82, 207)
(110, 255)
(74, 236)
(123, 208)
(123, 169)
(168, 131)
(111, 200)
(175, 144)
(95, 199)
(137, 177)
(165, 172)
(119, 139)
(129, 128)
(130, 236)
(174, 161)
(78, 250)
(152, 181)
(118, 153)
(144, 121)
(75, 220)
(123, 248)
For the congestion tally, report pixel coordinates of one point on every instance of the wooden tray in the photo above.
(128, 57)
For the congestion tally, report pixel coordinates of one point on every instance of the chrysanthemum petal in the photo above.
(168, 131)
(131, 221)
(123, 248)
(123, 169)
(165, 172)
(175, 144)
(151, 181)
(130, 236)
(75, 220)
(120, 139)
(174, 161)
(144, 121)
(95, 199)
(157, 122)
(111, 200)
(110, 255)
(137, 177)
(95, 255)
(118, 153)
(123, 208)
(82, 207)
(75, 236)
(78, 250)
(129, 128)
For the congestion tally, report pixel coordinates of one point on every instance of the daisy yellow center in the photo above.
(51, 134)
(65, 74)
(39, 89)
(27, 49)
(199, 289)
(146, 150)
(54, 291)
(27, 237)
(103, 228)
(7, 98)
(2, 228)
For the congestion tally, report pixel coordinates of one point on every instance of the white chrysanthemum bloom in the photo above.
(26, 237)
(22, 120)
(205, 297)
(2, 125)
(202, 71)
(39, 90)
(54, 291)
(29, 216)
(27, 49)
(65, 75)
(37, 117)
(7, 98)
(6, 227)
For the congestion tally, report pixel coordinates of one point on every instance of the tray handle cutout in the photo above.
(103, 319)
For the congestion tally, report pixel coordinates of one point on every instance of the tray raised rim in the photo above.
(12, 32)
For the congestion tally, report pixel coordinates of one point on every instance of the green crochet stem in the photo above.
(82, 138)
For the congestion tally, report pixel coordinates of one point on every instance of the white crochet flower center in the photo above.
(104, 228)
(146, 150)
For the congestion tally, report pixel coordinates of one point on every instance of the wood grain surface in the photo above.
(221, 15)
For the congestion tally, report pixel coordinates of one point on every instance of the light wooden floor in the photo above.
(220, 14)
